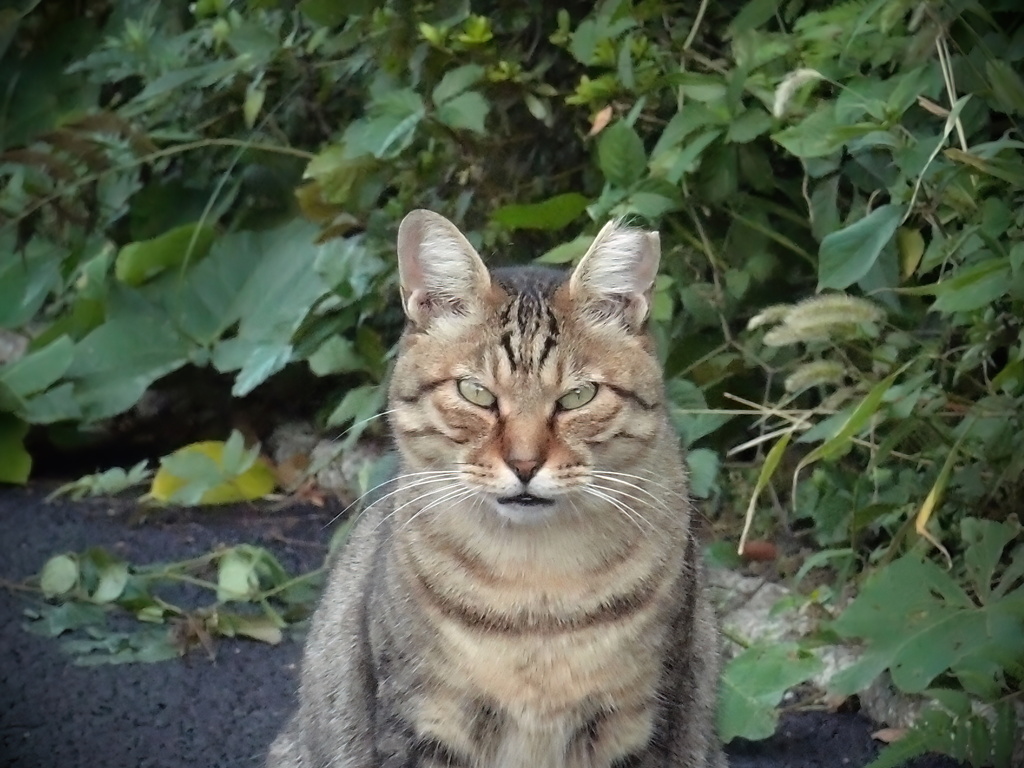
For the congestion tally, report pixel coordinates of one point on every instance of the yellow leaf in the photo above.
(910, 244)
(254, 483)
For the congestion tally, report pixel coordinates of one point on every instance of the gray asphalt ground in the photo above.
(220, 713)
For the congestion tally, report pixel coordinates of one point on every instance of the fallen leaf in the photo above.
(760, 551)
(291, 472)
(889, 735)
(600, 121)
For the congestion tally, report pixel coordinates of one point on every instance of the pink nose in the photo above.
(524, 468)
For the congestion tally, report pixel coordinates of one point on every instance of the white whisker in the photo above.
(432, 475)
(625, 510)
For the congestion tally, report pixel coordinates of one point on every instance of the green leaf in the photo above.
(1006, 85)
(389, 129)
(973, 288)
(754, 683)
(26, 278)
(620, 154)
(59, 576)
(816, 135)
(113, 578)
(675, 164)
(748, 125)
(703, 465)
(456, 81)
(236, 576)
(15, 461)
(683, 124)
(115, 363)
(848, 254)
(40, 369)
(986, 540)
(918, 623)
(552, 214)
(55, 620)
(566, 252)
(467, 111)
(265, 284)
(360, 406)
(336, 355)
(751, 16)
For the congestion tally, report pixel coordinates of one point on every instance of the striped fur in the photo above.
(465, 627)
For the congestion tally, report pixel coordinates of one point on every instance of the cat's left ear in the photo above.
(439, 271)
(615, 278)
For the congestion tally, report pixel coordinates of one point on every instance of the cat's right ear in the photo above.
(440, 273)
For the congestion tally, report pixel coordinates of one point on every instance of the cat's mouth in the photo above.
(526, 500)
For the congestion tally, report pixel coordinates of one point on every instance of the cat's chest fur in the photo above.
(525, 658)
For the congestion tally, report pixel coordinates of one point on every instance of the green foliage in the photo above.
(754, 683)
(254, 597)
(109, 482)
(952, 728)
(838, 185)
(975, 636)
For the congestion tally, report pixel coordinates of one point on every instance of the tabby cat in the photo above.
(529, 593)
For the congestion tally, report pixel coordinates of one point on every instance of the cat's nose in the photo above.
(525, 469)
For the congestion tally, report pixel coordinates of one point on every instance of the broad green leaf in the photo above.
(113, 578)
(702, 465)
(748, 125)
(55, 620)
(175, 79)
(236, 576)
(816, 135)
(59, 576)
(456, 81)
(15, 461)
(26, 278)
(336, 355)
(1006, 85)
(566, 252)
(918, 623)
(337, 173)
(360, 406)
(115, 363)
(973, 288)
(754, 683)
(620, 154)
(683, 123)
(551, 214)
(676, 163)
(849, 253)
(466, 111)
(254, 359)
(751, 16)
(986, 540)
(39, 369)
(265, 283)
(390, 126)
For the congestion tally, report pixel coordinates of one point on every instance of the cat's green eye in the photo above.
(577, 397)
(476, 393)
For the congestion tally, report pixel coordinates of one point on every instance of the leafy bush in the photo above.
(838, 185)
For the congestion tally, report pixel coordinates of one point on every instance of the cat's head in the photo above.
(531, 389)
